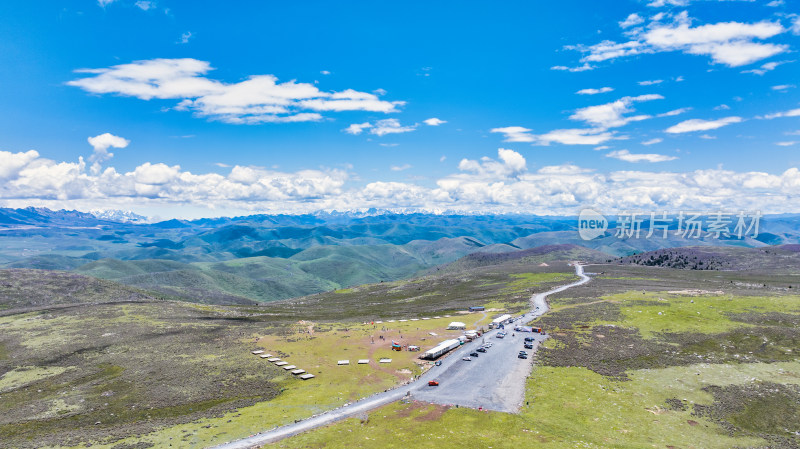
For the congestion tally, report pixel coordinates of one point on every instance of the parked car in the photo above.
(522, 356)
(467, 359)
(438, 363)
(433, 383)
(481, 349)
(473, 354)
(529, 339)
(528, 346)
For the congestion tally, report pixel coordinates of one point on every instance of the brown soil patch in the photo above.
(434, 414)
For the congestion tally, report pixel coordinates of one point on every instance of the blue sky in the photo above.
(211, 108)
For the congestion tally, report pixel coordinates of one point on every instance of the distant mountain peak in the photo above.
(119, 216)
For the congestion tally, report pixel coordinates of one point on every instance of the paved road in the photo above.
(495, 380)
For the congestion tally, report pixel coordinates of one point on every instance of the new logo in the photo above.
(591, 224)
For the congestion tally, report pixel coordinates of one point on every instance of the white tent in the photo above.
(457, 325)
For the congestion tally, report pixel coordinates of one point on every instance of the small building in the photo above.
(363, 361)
(499, 321)
(440, 349)
(343, 362)
(477, 309)
(306, 376)
(257, 352)
(289, 367)
(298, 371)
(456, 325)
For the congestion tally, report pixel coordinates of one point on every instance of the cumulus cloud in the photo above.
(433, 121)
(258, 99)
(101, 143)
(693, 125)
(627, 156)
(601, 90)
(729, 43)
(488, 185)
(632, 20)
(357, 128)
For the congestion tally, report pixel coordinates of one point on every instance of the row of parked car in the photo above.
(483, 348)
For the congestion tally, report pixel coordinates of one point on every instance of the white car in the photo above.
(466, 358)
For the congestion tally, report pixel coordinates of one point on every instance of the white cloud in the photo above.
(145, 5)
(602, 90)
(324, 72)
(783, 87)
(433, 121)
(653, 141)
(443, 158)
(693, 125)
(511, 164)
(769, 66)
(660, 3)
(184, 39)
(12, 163)
(258, 99)
(101, 144)
(785, 144)
(776, 3)
(611, 115)
(390, 126)
(790, 113)
(581, 68)
(515, 134)
(104, 3)
(722, 107)
(486, 185)
(357, 128)
(389, 145)
(400, 167)
(650, 82)
(707, 137)
(591, 136)
(627, 156)
(796, 24)
(730, 43)
(674, 112)
(631, 20)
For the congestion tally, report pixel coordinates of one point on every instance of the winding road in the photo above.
(493, 381)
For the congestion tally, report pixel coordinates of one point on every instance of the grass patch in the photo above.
(566, 407)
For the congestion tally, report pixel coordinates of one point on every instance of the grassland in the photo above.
(669, 362)
(105, 368)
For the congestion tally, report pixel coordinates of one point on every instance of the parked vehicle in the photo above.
(467, 359)
(473, 354)
(481, 349)
(433, 383)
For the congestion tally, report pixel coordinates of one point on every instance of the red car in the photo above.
(433, 383)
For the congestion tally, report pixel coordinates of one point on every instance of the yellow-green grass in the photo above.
(526, 281)
(25, 375)
(669, 312)
(334, 385)
(566, 407)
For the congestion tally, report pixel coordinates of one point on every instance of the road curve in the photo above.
(419, 388)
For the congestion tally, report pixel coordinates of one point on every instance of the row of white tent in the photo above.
(301, 373)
